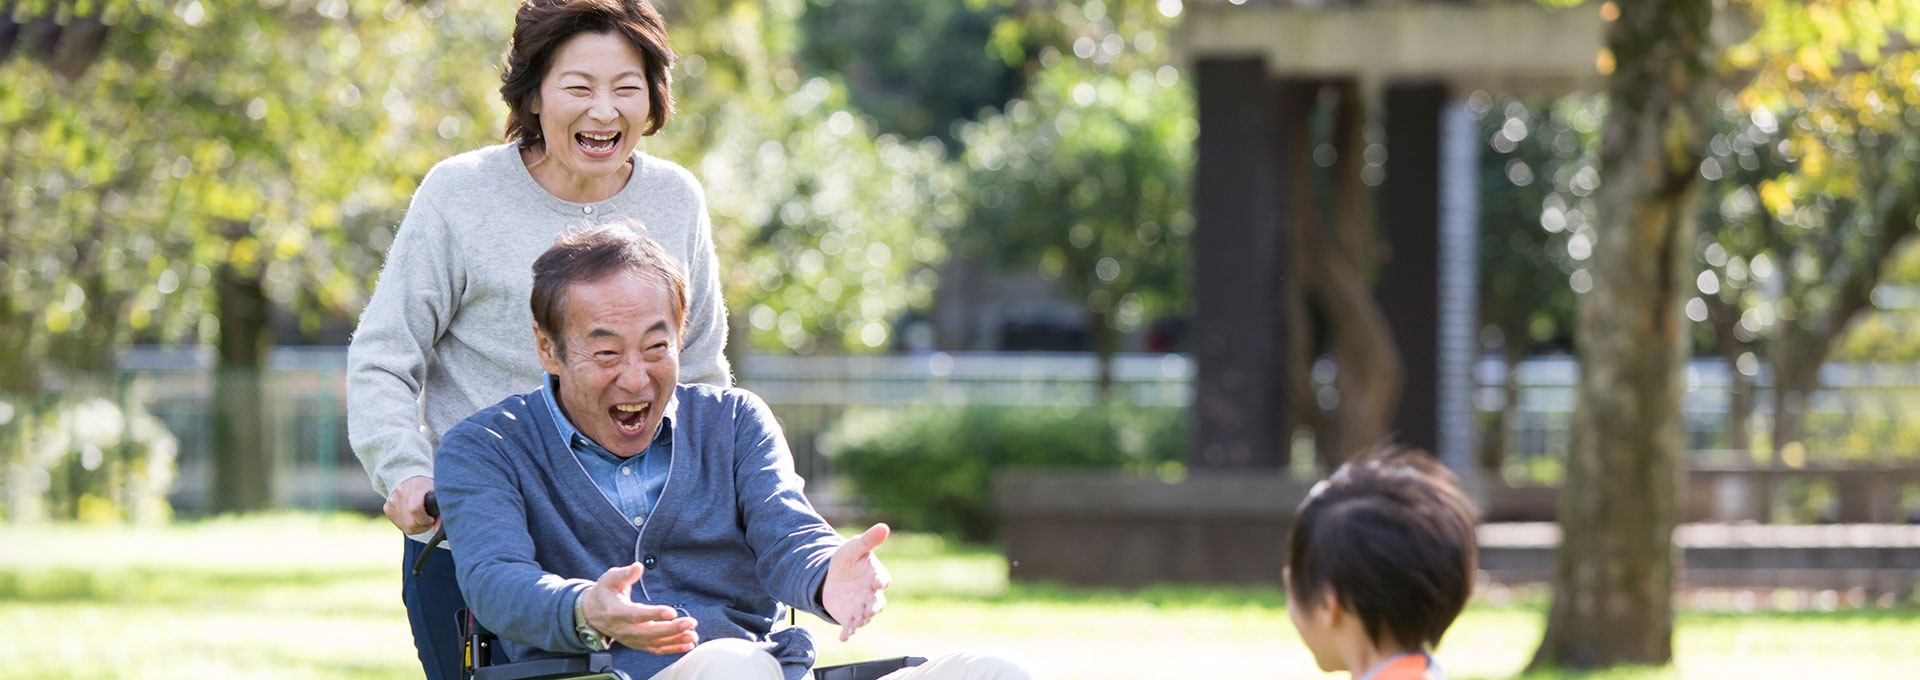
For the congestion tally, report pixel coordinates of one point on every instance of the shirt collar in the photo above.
(576, 439)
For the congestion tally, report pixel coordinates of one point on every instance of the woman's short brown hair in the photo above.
(540, 27)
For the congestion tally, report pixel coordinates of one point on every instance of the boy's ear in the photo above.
(1327, 609)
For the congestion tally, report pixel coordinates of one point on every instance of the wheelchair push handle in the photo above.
(439, 535)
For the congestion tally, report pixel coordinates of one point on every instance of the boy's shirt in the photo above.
(1407, 667)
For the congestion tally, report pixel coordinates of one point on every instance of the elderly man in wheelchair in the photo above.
(614, 510)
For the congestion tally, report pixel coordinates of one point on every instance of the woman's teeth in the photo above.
(597, 143)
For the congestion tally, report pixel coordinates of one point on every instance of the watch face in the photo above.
(592, 639)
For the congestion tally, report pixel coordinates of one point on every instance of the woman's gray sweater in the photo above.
(449, 328)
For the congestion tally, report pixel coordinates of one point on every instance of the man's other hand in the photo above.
(610, 609)
(407, 506)
(852, 592)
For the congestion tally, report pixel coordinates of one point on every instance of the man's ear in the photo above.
(549, 350)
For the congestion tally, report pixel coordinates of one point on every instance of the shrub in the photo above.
(83, 458)
(931, 468)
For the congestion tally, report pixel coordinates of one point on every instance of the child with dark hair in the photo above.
(1379, 563)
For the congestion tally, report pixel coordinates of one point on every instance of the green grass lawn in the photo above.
(318, 597)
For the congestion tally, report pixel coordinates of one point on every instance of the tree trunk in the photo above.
(1740, 410)
(1298, 100)
(242, 457)
(1494, 450)
(1802, 347)
(1614, 572)
(1725, 319)
(1333, 276)
(1106, 341)
(1371, 372)
(1794, 378)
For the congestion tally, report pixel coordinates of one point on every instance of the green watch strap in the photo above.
(588, 636)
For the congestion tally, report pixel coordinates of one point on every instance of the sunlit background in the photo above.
(957, 237)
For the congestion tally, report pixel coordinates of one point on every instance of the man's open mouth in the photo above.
(629, 417)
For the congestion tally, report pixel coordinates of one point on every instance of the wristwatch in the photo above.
(588, 636)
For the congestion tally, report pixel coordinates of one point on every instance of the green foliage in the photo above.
(1817, 193)
(1088, 179)
(1537, 216)
(917, 66)
(86, 459)
(932, 469)
(279, 140)
(827, 228)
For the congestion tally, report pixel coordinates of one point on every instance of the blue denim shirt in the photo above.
(632, 484)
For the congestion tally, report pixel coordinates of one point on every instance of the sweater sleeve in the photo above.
(704, 358)
(413, 303)
(790, 541)
(486, 520)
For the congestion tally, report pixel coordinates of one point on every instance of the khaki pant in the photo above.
(731, 659)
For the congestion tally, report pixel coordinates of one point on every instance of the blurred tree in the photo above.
(1614, 577)
(1820, 163)
(826, 228)
(917, 66)
(1087, 176)
(1337, 332)
(1614, 571)
(1536, 230)
(1891, 332)
(217, 162)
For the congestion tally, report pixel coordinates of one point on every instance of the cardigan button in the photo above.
(649, 562)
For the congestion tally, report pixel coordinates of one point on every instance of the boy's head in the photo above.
(1381, 554)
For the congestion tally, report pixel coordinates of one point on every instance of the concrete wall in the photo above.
(1100, 528)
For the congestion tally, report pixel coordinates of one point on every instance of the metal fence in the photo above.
(316, 468)
(1864, 413)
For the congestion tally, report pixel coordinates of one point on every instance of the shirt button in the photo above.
(626, 470)
(637, 521)
(587, 209)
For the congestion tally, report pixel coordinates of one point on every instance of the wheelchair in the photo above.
(477, 662)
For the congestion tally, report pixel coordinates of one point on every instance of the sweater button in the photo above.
(649, 562)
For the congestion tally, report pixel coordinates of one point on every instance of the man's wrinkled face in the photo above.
(620, 361)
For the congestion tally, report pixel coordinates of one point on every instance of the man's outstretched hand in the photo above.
(853, 592)
(610, 609)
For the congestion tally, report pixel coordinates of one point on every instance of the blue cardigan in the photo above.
(733, 536)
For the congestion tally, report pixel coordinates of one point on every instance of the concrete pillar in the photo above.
(1411, 220)
(1238, 409)
(1459, 285)
(1428, 287)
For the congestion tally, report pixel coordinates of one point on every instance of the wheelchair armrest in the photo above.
(595, 666)
(867, 670)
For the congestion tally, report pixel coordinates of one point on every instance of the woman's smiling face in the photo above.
(593, 105)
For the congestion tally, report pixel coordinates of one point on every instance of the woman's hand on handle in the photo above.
(407, 506)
